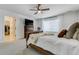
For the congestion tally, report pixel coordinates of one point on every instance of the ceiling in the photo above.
(55, 9)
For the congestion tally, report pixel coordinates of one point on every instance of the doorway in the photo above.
(9, 28)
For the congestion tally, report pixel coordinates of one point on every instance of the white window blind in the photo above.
(51, 25)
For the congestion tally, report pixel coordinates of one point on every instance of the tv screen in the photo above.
(28, 21)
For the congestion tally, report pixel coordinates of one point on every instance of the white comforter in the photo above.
(59, 46)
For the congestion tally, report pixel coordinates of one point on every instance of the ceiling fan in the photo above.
(38, 9)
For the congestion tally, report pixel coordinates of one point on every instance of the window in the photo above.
(51, 25)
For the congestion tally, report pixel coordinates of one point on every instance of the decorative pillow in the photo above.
(62, 33)
(72, 30)
(76, 35)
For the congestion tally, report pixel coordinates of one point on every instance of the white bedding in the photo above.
(58, 46)
(33, 38)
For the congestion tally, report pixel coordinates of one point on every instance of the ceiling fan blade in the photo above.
(33, 9)
(38, 6)
(39, 9)
(46, 9)
(35, 12)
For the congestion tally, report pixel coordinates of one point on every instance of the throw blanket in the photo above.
(33, 38)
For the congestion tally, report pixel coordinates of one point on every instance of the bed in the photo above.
(51, 44)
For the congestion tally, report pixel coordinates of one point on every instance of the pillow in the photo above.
(76, 35)
(72, 30)
(62, 33)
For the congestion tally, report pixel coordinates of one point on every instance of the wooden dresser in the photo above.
(28, 27)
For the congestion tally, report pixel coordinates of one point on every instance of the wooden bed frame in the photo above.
(39, 49)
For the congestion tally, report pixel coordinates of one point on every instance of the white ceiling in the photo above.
(55, 9)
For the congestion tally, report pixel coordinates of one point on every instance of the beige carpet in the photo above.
(16, 48)
(28, 51)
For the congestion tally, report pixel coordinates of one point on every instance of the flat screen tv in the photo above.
(27, 22)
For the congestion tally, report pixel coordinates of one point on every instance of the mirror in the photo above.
(7, 30)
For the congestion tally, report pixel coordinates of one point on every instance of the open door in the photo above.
(10, 28)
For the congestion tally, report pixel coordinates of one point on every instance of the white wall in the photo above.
(37, 23)
(9, 13)
(1, 28)
(19, 28)
(69, 18)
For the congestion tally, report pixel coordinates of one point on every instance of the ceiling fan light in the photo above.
(39, 12)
